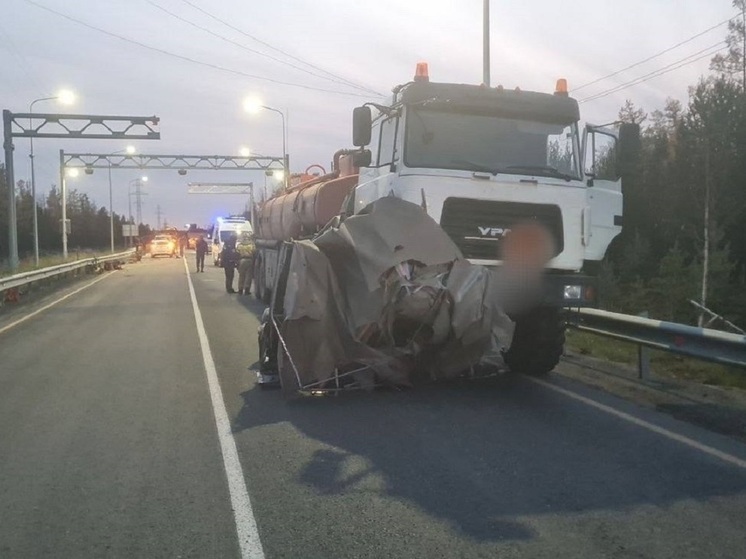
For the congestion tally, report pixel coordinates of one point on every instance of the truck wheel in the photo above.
(258, 281)
(538, 342)
(263, 293)
(288, 382)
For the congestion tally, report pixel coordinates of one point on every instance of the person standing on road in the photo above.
(182, 245)
(246, 250)
(201, 249)
(229, 260)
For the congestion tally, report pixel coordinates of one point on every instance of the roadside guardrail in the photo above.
(16, 282)
(701, 343)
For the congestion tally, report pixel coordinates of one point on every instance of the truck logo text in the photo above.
(493, 231)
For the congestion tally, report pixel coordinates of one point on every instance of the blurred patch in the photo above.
(528, 247)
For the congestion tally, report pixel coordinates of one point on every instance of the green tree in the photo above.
(672, 288)
(733, 62)
(631, 114)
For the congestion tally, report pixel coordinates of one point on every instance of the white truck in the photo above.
(480, 160)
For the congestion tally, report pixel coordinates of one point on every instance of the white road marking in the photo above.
(724, 456)
(248, 535)
(53, 303)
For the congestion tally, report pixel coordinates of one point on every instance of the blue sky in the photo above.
(375, 44)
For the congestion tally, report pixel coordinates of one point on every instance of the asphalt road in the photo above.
(109, 448)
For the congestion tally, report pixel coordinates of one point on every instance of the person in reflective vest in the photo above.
(246, 251)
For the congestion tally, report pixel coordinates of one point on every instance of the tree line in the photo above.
(685, 201)
(90, 224)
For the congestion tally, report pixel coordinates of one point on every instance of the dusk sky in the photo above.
(316, 48)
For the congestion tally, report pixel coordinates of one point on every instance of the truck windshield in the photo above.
(477, 142)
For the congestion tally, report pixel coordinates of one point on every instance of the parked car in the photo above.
(162, 245)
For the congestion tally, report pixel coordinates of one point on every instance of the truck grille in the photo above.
(476, 226)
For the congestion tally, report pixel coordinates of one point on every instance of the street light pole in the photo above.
(63, 187)
(130, 150)
(66, 97)
(111, 214)
(286, 163)
(129, 205)
(33, 181)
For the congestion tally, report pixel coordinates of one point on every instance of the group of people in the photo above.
(236, 254)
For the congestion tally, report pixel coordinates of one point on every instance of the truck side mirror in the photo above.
(362, 124)
(630, 146)
(361, 158)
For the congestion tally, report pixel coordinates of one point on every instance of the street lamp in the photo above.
(66, 97)
(253, 105)
(244, 151)
(129, 150)
(71, 172)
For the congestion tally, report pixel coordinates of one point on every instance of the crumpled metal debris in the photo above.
(389, 295)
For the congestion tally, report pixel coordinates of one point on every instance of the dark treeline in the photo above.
(685, 206)
(90, 224)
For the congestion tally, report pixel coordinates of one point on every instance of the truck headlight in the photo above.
(573, 291)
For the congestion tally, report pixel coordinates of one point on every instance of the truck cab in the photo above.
(481, 161)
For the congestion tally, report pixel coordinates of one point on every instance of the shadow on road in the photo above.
(729, 420)
(483, 454)
(251, 304)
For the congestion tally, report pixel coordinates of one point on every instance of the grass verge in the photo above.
(663, 364)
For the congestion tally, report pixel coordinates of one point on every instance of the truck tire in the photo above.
(538, 342)
(258, 280)
(263, 293)
(288, 382)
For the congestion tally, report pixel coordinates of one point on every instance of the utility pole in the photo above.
(486, 44)
(743, 46)
(706, 234)
(138, 200)
(158, 214)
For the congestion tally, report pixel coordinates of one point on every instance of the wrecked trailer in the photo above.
(384, 298)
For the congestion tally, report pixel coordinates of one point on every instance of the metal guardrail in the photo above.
(701, 343)
(25, 278)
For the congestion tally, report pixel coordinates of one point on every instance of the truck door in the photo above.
(601, 220)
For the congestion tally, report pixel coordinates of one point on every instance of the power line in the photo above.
(254, 51)
(296, 58)
(659, 72)
(21, 60)
(192, 60)
(648, 59)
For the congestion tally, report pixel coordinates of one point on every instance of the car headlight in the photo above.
(573, 291)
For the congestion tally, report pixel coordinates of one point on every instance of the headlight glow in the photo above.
(573, 291)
